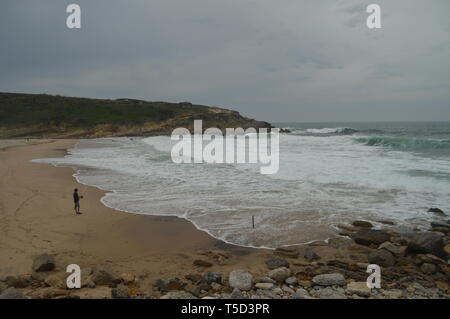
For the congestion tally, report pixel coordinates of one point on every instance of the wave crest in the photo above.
(404, 143)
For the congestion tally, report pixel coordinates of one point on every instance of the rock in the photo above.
(211, 277)
(362, 266)
(393, 294)
(236, 294)
(362, 223)
(194, 278)
(440, 225)
(329, 280)
(178, 295)
(43, 262)
(18, 282)
(263, 285)
(359, 288)
(276, 262)
(216, 287)
(288, 290)
(286, 252)
(330, 293)
(291, 281)
(279, 274)
(90, 284)
(55, 281)
(278, 290)
(431, 259)
(427, 268)
(202, 263)
(386, 222)
(266, 279)
(266, 294)
(370, 236)
(101, 277)
(427, 243)
(301, 294)
(305, 283)
(127, 278)
(437, 211)
(48, 293)
(310, 255)
(11, 293)
(170, 284)
(394, 249)
(443, 286)
(192, 289)
(121, 292)
(381, 257)
(240, 279)
(447, 249)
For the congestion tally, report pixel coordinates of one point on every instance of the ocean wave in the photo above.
(404, 143)
(335, 130)
(327, 131)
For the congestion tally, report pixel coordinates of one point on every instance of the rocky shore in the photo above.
(413, 265)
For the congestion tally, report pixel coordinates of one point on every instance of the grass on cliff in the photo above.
(22, 110)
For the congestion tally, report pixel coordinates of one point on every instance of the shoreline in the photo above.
(127, 255)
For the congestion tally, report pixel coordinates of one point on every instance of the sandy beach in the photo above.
(36, 211)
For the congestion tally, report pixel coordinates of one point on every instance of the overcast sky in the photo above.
(274, 60)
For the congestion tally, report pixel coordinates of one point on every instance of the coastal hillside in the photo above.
(42, 115)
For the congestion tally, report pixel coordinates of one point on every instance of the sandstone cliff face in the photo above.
(38, 116)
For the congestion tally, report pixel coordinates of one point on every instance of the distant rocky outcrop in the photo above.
(48, 116)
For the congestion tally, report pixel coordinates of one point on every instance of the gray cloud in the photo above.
(287, 60)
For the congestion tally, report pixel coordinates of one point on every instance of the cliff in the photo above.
(42, 115)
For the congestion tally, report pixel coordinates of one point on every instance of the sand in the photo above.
(37, 216)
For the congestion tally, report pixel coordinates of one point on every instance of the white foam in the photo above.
(321, 182)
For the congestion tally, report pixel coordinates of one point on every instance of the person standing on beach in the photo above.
(76, 200)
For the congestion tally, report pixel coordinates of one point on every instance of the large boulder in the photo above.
(329, 280)
(427, 243)
(381, 257)
(43, 262)
(240, 279)
(370, 236)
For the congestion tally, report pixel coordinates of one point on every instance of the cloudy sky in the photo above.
(274, 60)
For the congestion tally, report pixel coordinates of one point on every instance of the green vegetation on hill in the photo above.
(38, 115)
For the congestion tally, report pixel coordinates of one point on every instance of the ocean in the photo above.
(329, 174)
